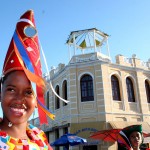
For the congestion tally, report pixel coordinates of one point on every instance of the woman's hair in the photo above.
(3, 78)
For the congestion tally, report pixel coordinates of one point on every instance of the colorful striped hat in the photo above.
(24, 54)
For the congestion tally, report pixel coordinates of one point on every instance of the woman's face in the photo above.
(17, 98)
(135, 139)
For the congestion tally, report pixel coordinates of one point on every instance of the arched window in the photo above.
(130, 90)
(47, 99)
(147, 88)
(57, 101)
(115, 88)
(86, 85)
(64, 89)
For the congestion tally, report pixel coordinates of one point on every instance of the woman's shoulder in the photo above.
(31, 129)
(3, 133)
(35, 133)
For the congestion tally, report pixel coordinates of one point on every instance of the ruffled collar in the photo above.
(35, 136)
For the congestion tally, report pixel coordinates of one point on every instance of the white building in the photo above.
(101, 94)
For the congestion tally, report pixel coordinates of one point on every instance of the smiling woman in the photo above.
(18, 98)
(21, 73)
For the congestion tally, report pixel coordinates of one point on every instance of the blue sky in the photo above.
(126, 21)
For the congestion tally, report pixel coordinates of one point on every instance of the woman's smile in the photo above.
(17, 111)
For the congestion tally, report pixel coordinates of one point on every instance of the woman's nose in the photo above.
(20, 97)
(136, 137)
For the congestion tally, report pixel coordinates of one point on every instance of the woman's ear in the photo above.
(36, 103)
(142, 137)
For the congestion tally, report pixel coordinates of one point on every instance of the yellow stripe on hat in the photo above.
(52, 116)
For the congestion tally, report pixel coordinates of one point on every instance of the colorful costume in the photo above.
(24, 54)
(37, 140)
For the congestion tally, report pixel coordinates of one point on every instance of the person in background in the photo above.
(130, 138)
(22, 90)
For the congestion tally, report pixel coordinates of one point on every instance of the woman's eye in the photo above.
(29, 93)
(10, 89)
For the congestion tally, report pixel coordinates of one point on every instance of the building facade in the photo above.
(101, 94)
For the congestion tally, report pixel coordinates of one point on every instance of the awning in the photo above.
(123, 124)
